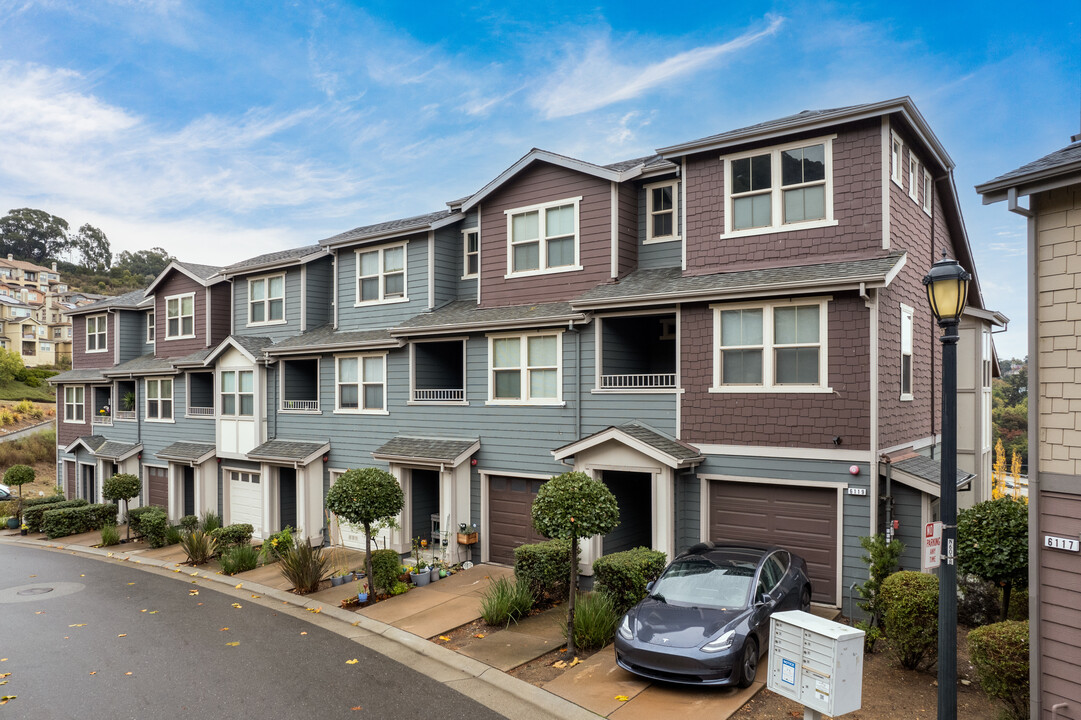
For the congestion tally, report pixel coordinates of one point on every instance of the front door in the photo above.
(287, 497)
(424, 495)
(189, 490)
(89, 484)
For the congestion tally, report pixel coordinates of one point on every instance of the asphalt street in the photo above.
(111, 641)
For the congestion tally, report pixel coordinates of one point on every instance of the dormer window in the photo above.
(266, 300)
(180, 316)
(97, 333)
(543, 238)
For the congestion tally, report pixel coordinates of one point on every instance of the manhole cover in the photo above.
(35, 591)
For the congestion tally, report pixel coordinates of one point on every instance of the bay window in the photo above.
(238, 393)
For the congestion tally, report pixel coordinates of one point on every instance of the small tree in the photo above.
(122, 486)
(881, 559)
(366, 497)
(19, 475)
(572, 506)
(992, 544)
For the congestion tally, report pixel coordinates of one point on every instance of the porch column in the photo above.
(303, 521)
(664, 512)
(265, 481)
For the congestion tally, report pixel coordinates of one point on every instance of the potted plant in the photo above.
(338, 577)
(467, 534)
(420, 574)
(23, 529)
(128, 400)
(362, 591)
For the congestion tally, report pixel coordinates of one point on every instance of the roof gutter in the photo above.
(457, 329)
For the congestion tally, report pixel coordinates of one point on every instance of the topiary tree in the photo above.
(992, 544)
(572, 506)
(122, 486)
(365, 497)
(19, 475)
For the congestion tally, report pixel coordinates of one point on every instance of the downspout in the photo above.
(334, 285)
(889, 498)
(1034, 675)
(870, 301)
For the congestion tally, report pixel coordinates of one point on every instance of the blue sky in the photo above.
(223, 130)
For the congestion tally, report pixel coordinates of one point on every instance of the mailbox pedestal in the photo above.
(818, 663)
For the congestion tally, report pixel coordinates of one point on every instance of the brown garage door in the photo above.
(510, 500)
(157, 482)
(801, 519)
(69, 479)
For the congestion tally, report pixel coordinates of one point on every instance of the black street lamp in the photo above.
(947, 291)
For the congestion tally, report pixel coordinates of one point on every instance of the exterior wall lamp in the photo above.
(947, 293)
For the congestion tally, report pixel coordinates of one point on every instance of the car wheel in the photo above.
(805, 599)
(748, 664)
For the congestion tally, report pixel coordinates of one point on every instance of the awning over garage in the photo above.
(925, 474)
(89, 442)
(117, 451)
(289, 451)
(447, 452)
(188, 452)
(653, 443)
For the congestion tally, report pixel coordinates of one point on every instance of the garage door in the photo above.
(157, 483)
(801, 519)
(510, 500)
(246, 500)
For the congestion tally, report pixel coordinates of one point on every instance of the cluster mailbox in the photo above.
(816, 662)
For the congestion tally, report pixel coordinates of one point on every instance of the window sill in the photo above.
(774, 229)
(178, 337)
(94, 352)
(772, 389)
(74, 422)
(896, 181)
(268, 322)
(361, 412)
(527, 403)
(469, 277)
(392, 301)
(662, 240)
(163, 422)
(550, 271)
(905, 398)
(927, 211)
(198, 417)
(120, 419)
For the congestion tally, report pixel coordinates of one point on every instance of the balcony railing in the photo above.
(439, 395)
(201, 411)
(99, 419)
(125, 414)
(644, 381)
(307, 405)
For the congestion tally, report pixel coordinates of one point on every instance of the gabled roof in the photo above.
(205, 275)
(90, 442)
(117, 451)
(290, 451)
(325, 337)
(1054, 170)
(668, 285)
(249, 346)
(274, 260)
(143, 365)
(190, 452)
(25, 265)
(653, 443)
(451, 452)
(127, 301)
(80, 375)
(464, 315)
(392, 228)
(613, 173)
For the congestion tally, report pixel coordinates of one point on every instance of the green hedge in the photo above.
(47, 500)
(1000, 655)
(236, 534)
(544, 566)
(154, 526)
(74, 520)
(34, 516)
(386, 567)
(910, 602)
(135, 518)
(623, 576)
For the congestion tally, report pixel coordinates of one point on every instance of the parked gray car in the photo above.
(706, 618)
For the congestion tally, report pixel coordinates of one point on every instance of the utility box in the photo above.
(816, 662)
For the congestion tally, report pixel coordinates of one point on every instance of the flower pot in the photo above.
(362, 597)
(13, 523)
(337, 580)
(467, 538)
(433, 574)
(420, 579)
(442, 573)
(22, 531)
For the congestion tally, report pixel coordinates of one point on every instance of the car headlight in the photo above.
(722, 643)
(625, 631)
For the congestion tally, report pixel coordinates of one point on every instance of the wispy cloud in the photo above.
(596, 78)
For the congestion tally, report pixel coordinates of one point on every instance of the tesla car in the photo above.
(5, 492)
(705, 620)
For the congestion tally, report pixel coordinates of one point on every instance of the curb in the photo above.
(360, 626)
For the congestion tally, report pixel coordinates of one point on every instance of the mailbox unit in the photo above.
(816, 662)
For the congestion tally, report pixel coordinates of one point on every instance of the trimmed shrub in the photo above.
(999, 653)
(19, 475)
(304, 566)
(910, 606)
(236, 534)
(44, 500)
(979, 602)
(505, 601)
(275, 546)
(71, 521)
(623, 576)
(189, 522)
(386, 567)
(543, 567)
(198, 546)
(151, 523)
(173, 535)
(135, 517)
(34, 515)
(110, 536)
(239, 558)
(595, 621)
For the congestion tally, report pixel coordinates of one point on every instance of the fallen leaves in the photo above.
(239, 585)
(193, 591)
(122, 635)
(232, 644)
(93, 672)
(75, 625)
(127, 673)
(237, 605)
(39, 612)
(255, 597)
(131, 583)
(303, 632)
(315, 610)
(444, 638)
(574, 662)
(4, 675)
(223, 629)
(479, 635)
(153, 612)
(5, 698)
(356, 708)
(560, 664)
(354, 661)
(622, 698)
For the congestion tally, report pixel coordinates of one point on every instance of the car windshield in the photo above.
(701, 582)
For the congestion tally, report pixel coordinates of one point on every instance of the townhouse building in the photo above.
(730, 333)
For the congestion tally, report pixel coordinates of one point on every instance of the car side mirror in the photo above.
(765, 599)
(649, 587)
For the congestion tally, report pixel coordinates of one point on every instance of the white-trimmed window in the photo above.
(381, 275)
(97, 333)
(913, 176)
(45, 347)
(661, 202)
(151, 329)
(775, 347)
(159, 399)
(906, 352)
(266, 300)
(896, 155)
(245, 477)
(525, 369)
(238, 393)
(74, 404)
(788, 187)
(471, 253)
(180, 316)
(543, 238)
(361, 383)
(927, 193)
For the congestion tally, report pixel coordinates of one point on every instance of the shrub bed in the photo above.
(72, 521)
(543, 567)
(135, 517)
(386, 567)
(33, 516)
(595, 621)
(47, 500)
(236, 534)
(152, 523)
(1000, 655)
(506, 600)
(623, 576)
(910, 601)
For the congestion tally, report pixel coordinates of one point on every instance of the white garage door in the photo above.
(246, 500)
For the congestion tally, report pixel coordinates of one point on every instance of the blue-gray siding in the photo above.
(658, 255)
(382, 315)
(275, 331)
(908, 511)
(319, 292)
